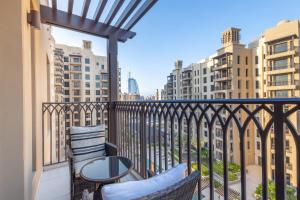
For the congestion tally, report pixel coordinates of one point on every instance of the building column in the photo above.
(112, 63)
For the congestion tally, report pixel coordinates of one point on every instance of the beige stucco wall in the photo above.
(23, 88)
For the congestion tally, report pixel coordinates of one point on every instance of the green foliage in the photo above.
(233, 169)
(290, 192)
(217, 184)
(204, 169)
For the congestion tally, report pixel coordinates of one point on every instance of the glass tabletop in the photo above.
(106, 169)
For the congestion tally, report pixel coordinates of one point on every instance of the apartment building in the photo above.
(85, 79)
(281, 59)
(268, 67)
(233, 79)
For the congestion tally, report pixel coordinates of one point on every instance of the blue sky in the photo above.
(182, 29)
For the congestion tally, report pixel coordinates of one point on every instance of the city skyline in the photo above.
(141, 55)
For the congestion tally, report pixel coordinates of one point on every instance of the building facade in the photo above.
(265, 68)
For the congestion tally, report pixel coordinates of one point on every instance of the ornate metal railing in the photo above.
(59, 117)
(157, 135)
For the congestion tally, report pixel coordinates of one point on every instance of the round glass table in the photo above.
(105, 170)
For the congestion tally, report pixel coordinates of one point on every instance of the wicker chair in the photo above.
(78, 184)
(182, 190)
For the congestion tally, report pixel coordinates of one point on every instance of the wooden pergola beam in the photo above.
(99, 10)
(54, 4)
(140, 13)
(127, 12)
(74, 22)
(85, 8)
(113, 11)
(70, 6)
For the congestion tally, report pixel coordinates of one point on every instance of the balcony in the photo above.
(220, 66)
(223, 77)
(289, 51)
(283, 85)
(283, 69)
(149, 147)
(222, 88)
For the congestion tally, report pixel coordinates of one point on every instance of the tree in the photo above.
(290, 192)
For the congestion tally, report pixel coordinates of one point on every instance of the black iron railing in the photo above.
(157, 135)
(59, 117)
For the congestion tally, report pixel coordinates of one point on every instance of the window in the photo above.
(97, 84)
(204, 70)
(204, 80)
(66, 59)
(258, 145)
(246, 71)
(281, 93)
(211, 78)
(66, 67)
(87, 61)
(66, 76)
(256, 60)
(77, 84)
(247, 84)
(256, 72)
(87, 84)
(102, 66)
(288, 179)
(248, 145)
(77, 76)
(87, 77)
(257, 84)
(238, 59)
(67, 100)
(76, 60)
(239, 84)
(280, 80)
(259, 160)
(87, 69)
(238, 71)
(87, 92)
(97, 92)
(67, 84)
(246, 60)
(280, 64)
(87, 99)
(97, 77)
(281, 47)
(257, 95)
(204, 89)
(67, 92)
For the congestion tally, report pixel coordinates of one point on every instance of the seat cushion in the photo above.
(87, 142)
(136, 189)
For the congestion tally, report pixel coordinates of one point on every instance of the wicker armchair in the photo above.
(182, 190)
(78, 184)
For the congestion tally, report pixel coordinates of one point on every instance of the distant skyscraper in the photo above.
(133, 87)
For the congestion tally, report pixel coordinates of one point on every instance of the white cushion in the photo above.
(87, 142)
(136, 189)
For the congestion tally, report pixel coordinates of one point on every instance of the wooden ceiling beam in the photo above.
(74, 22)
(85, 8)
(127, 12)
(70, 6)
(113, 11)
(54, 4)
(99, 10)
(140, 13)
